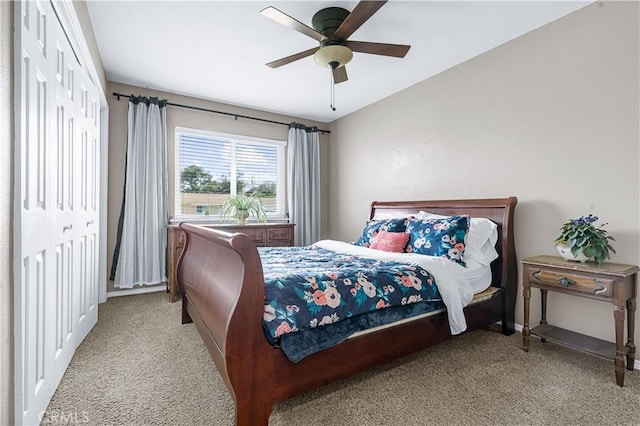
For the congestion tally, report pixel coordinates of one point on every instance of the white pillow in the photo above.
(481, 238)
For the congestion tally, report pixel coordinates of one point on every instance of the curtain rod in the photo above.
(120, 95)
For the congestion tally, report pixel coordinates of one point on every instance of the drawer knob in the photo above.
(565, 282)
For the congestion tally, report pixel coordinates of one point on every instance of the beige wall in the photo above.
(6, 234)
(552, 118)
(184, 118)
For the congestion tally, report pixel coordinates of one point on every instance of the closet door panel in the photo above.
(56, 237)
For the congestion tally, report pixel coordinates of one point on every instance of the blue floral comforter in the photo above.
(307, 287)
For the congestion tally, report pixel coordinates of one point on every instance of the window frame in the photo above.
(279, 214)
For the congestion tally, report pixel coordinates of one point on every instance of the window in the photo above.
(211, 167)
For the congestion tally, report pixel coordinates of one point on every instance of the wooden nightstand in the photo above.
(263, 234)
(609, 282)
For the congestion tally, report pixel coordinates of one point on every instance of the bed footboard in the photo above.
(220, 277)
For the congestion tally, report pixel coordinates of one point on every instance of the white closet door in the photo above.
(85, 215)
(56, 247)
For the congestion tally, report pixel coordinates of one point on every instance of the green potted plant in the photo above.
(241, 207)
(581, 240)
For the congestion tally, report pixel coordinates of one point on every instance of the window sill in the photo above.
(212, 220)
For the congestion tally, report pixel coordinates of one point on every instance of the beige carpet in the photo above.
(140, 366)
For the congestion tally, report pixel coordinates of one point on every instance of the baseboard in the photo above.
(139, 290)
(636, 364)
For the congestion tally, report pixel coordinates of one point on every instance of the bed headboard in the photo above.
(500, 210)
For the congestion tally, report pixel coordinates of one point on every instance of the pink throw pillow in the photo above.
(390, 241)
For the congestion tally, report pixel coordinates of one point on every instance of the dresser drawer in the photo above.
(257, 235)
(176, 237)
(588, 284)
(279, 243)
(279, 235)
(180, 238)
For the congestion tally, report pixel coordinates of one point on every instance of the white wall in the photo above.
(182, 117)
(551, 117)
(6, 183)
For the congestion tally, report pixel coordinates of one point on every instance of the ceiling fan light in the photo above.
(335, 53)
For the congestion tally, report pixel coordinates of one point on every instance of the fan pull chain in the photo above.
(333, 93)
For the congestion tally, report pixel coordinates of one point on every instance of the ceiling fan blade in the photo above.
(286, 20)
(358, 16)
(339, 75)
(293, 58)
(385, 49)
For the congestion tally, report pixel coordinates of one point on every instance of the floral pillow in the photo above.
(394, 242)
(439, 237)
(372, 228)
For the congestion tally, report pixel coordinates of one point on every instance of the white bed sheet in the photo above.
(452, 282)
(479, 275)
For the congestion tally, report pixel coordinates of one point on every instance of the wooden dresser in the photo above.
(263, 234)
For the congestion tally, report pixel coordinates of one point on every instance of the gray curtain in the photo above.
(141, 258)
(303, 183)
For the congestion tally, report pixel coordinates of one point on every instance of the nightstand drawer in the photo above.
(600, 287)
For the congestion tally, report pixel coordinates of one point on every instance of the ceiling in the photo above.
(217, 50)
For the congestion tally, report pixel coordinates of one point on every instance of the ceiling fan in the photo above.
(332, 27)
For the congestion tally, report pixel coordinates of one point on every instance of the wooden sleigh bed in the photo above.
(221, 279)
